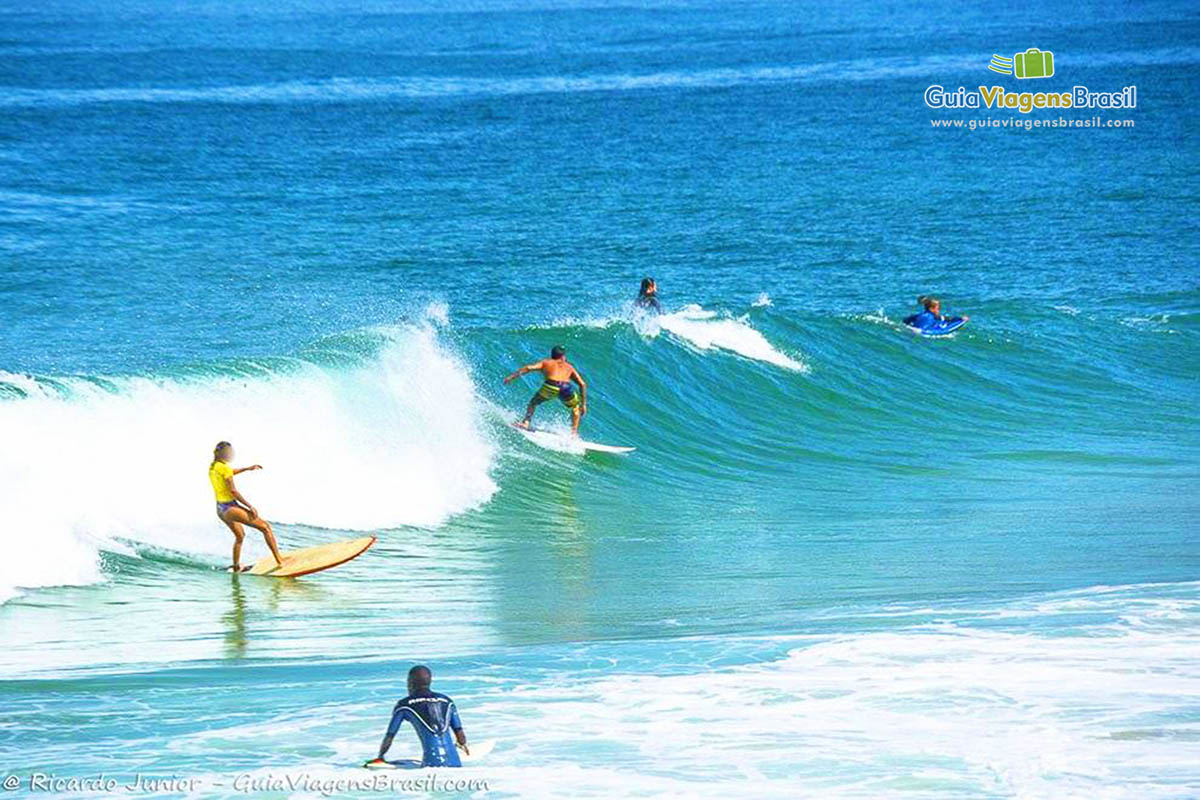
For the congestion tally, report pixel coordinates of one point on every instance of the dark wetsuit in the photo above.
(434, 716)
(649, 302)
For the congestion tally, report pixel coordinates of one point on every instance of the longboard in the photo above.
(311, 559)
(567, 443)
(478, 751)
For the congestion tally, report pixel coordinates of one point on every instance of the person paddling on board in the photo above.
(558, 374)
(930, 316)
(433, 716)
(648, 296)
(232, 508)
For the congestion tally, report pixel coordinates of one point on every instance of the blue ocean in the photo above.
(845, 560)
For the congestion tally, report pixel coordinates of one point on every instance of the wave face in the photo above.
(354, 435)
(386, 428)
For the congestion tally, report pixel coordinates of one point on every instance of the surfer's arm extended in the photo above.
(527, 368)
(240, 470)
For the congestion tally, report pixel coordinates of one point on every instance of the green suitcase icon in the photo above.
(1033, 63)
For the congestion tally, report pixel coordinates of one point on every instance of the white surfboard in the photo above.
(478, 751)
(566, 443)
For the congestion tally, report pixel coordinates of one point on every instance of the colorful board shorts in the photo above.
(562, 390)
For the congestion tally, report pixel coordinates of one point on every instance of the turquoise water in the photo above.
(844, 561)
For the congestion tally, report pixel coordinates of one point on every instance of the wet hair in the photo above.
(420, 676)
(558, 351)
(927, 301)
(646, 284)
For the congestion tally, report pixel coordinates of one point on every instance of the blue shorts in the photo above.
(223, 507)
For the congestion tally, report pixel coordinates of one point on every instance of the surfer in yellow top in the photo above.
(232, 508)
(558, 374)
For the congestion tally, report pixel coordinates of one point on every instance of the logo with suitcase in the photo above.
(1033, 63)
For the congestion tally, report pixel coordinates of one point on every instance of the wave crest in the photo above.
(394, 438)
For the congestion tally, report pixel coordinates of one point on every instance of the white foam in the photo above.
(438, 313)
(877, 317)
(398, 440)
(762, 301)
(555, 437)
(708, 330)
(1153, 322)
(1086, 693)
(937, 710)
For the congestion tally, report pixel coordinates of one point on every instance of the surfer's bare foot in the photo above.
(523, 424)
(237, 568)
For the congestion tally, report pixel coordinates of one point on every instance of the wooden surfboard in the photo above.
(311, 559)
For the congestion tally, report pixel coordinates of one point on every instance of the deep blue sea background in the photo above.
(844, 560)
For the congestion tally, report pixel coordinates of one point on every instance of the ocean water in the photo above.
(843, 562)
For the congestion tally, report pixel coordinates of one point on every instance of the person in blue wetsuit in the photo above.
(433, 716)
(931, 319)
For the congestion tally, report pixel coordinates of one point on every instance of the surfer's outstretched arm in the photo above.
(240, 470)
(527, 368)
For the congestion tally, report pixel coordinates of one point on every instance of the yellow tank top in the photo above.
(219, 475)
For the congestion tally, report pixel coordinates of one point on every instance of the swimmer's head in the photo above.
(648, 286)
(558, 352)
(419, 677)
(223, 452)
(930, 303)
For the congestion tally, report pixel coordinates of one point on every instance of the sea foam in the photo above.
(378, 444)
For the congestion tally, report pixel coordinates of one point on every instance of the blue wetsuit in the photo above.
(929, 322)
(433, 715)
(926, 319)
(649, 301)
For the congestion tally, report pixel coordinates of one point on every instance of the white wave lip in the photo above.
(707, 330)
(398, 440)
